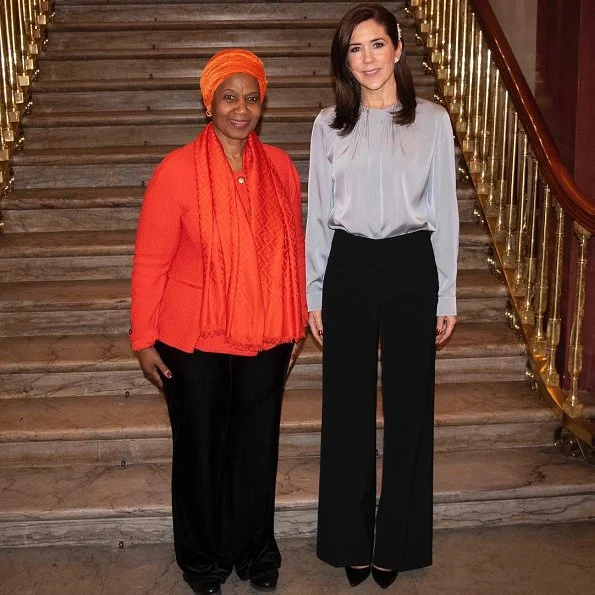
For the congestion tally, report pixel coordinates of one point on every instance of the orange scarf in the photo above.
(250, 274)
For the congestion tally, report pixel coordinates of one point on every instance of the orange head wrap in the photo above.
(225, 63)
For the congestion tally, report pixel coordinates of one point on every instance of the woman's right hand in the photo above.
(315, 324)
(150, 362)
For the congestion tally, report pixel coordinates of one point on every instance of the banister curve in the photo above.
(575, 202)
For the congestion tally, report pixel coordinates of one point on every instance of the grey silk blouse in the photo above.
(384, 180)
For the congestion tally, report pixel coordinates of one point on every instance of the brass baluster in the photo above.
(454, 106)
(436, 35)
(500, 227)
(468, 141)
(572, 405)
(461, 125)
(527, 307)
(508, 259)
(489, 187)
(431, 14)
(538, 337)
(551, 376)
(447, 88)
(442, 46)
(26, 63)
(521, 227)
(479, 163)
(8, 109)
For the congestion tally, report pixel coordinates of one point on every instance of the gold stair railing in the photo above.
(22, 35)
(526, 194)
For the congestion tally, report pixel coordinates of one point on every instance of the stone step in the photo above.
(144, 128)
(182, 93)
(111, 430)
(153, 36)
(116, 64)
(64, 209)
(102, 306)
(103, 364)
(107, 254)
(103, 166)
(95, 504)
(83, 13)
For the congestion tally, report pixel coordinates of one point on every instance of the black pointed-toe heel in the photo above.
(355, 576)
(384, 578)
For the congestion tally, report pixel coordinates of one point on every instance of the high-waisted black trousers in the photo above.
(378, 291)
(225, 413)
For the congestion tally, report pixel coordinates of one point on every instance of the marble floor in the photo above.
(524, 560)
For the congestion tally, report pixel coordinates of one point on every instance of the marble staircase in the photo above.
(84, 439)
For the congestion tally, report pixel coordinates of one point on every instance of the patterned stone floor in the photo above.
(524, 560)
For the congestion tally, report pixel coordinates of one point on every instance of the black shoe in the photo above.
(207, 587)
(384, 578)
(355, 576)
(265, 581)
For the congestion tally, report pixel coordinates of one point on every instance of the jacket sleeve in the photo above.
(157, 238)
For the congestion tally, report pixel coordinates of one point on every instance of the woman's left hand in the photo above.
(444, 327)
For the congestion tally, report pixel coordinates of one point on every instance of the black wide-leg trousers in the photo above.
(378, 291)
(224, 412)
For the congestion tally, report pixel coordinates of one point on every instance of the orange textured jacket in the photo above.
(167, 269)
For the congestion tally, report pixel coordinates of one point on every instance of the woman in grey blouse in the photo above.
(381, 244)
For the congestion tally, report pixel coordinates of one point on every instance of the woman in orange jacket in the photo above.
(218, 304)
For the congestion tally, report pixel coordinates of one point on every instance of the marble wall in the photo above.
(518, 19)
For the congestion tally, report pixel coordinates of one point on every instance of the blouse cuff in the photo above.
(314, 300)
(447, 306)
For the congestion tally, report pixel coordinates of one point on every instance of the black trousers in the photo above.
(378, 291)
(225, 413)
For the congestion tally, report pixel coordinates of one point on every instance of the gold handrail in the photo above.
(522, 185)
(22, 29)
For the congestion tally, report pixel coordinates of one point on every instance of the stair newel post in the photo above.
(538, 337)
(468, 127)
(527, 307)
(551, 376)
(491, 159)
(572, 405)
(508, 259)
(500, 226)
(523, 200)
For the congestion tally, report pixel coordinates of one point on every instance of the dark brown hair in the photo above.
(347, 89)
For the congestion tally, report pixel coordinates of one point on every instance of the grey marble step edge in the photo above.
(128, 155)
(94, 353)
(110, 294)
(121, 242)
(105, 417)
(116, 196)
(58, 3)
(183, 83)
(125, 24)
(263, 52)
(102, 492)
